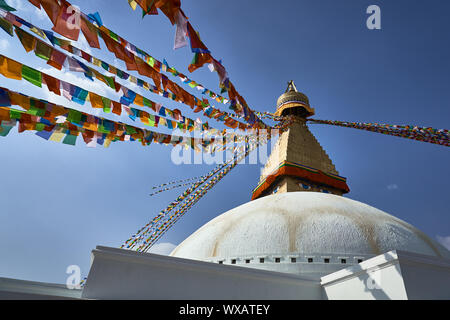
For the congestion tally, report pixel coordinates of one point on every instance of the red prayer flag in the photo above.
(117, 108)
(68, 22)
(196, 44)
(36, 3)
(51, 7)
(145, 70)
(57, 59)
(170, 8)
(90, 33)
(199, 60)
(52, 83)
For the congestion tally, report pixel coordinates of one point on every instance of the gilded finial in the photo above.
(291, 86)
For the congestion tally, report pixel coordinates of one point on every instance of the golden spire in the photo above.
(293, 102)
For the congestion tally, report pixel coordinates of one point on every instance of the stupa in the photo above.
(298, 220)
(298, 238)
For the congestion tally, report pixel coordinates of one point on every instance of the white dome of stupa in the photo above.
(306, 233)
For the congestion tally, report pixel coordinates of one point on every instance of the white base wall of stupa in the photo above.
(124, 274)
(396, 275)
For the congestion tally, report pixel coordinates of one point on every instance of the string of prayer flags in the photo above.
(15, 70)
(170, 188)
(157, 223)
(178, 181)
(57, 59)
(122, 50)
(202, 56)
(94, 129)
(132, 241)
(102, 131)
(157, 231)
(430, 135)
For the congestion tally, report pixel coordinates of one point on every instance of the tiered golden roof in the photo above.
(293, 99)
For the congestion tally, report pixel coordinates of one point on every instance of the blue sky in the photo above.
(59, 202)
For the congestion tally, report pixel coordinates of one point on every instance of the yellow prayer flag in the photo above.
(139, 100)
(57, 135)
(96, 100)
(133, 79)
(132, 4)
(107, 142)
(10, 68)
(163, 121)
(38, 31)
(96, 62)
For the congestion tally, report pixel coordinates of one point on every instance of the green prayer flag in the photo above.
(74, 116)
(105, 65)
(151, 120)
(70, 140)
(147, 102)
(15, 114)
(32, 75)
(151, 61)
(36, 111)
(40, 126)
(106, 105)
(4, 130)
(7, 26)
(113, 35)
(130, 130)
(110, 81)
(102, 129)
(43, 50)
(5, 6)
(195, 58)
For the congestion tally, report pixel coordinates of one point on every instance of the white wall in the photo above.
(395, 275)
(14, 289)
(124, 274)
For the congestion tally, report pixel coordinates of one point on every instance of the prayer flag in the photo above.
(43, 50)
(68, 21)
(10, 68)
(4, 99)
(52, 83)
(90, 33)
(57, 59)
(32, 75)
(27, 40)
(70, 140)
(5, 6)
(7, 26)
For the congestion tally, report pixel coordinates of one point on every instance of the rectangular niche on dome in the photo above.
(262, 259)
(343, 260)
(358, 259)
(326, 259)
